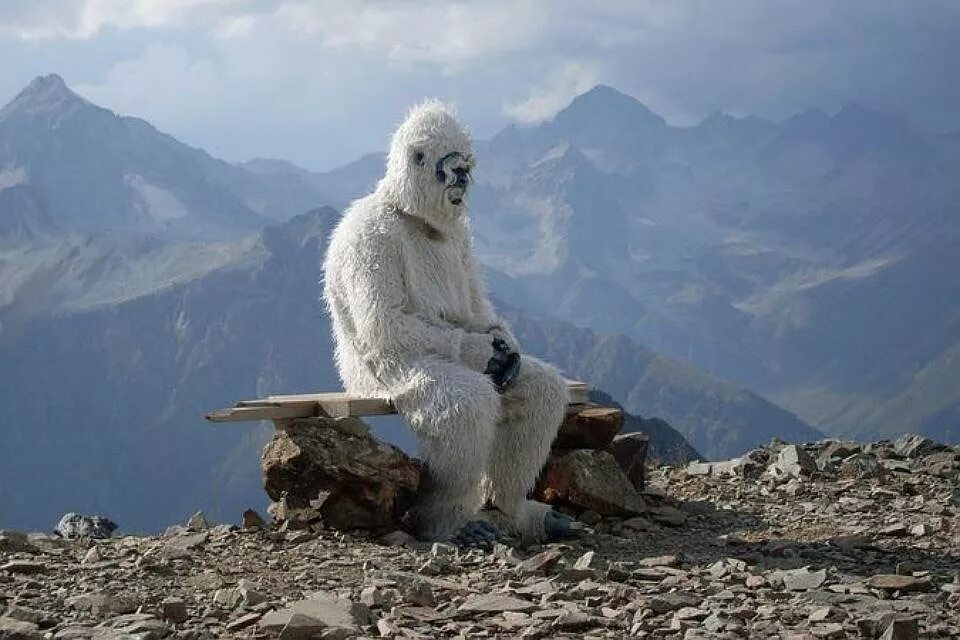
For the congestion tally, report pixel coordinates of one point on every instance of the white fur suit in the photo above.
(412, 322)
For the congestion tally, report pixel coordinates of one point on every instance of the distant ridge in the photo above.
(99, 171)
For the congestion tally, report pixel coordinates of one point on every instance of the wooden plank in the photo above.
(332, 404)
(341, 405)
(276, 412)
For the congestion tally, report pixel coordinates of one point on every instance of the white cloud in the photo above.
(162, 85)
(321, 81)
(85, 19)
(555, 92)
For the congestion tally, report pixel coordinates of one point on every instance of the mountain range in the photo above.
(145, 282)
(814, 261)
(94, 171)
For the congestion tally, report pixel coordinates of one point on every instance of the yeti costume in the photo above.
(412, 322)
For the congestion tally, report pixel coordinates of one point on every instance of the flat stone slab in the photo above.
(326, 612)
(496, 603)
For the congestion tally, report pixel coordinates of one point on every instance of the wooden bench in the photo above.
(331, 405)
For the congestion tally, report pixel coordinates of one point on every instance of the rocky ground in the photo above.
(830, 540)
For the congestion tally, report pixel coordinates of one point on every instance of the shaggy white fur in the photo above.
(412, 322)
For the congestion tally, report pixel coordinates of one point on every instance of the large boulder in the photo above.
(589, 479)
(339, 468)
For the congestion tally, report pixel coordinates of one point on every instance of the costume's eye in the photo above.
(418, 158)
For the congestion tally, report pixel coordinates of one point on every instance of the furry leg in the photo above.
(533, 408)
(454, 412)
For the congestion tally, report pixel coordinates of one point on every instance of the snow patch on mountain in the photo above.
(157, 202)
(11, 176)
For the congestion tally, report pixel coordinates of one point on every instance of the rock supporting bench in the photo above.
(323, 462)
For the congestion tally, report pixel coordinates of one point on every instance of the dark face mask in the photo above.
(453, 170)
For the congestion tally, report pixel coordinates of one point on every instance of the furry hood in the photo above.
(429, 132)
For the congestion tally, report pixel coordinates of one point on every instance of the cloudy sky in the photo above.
(321, 82)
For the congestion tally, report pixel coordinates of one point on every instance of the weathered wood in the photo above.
(280, 412)
(333, 405)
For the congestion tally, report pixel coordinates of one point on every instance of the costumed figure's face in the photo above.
(429, 168)
(452, 171)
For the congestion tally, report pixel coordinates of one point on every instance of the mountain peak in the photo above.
(606, 102)
(49, 83)
(603, 92)
(604, 115)
(44, 95)
(854, 113)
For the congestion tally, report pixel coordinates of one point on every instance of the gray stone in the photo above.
(589, 479)
(336, 616)
(953, 498)
(495, 602)
(399, 538)
(188, 541)
(419, 593)
(573, 621)
(825, 614)
(639, 523)
(742, 467)
(589, 517)
(901, 629)
(587, 561)
(792, 462)
(173, 609)
(892, 582)
(101, 603)
(803, 579)
(375, 596)
(74, 525)
(249, 595)
(12, 629)
(660, 561)
(139, 623)
(715, 622)
(25, 567)
(301, 627)
(242, 622)
(829, 631)
(84, 632)
(541, 561)
(197, 522)
(92, 556)
(862, 465)
(15, 542)
(253, 520)
(669, 516)
(667, 602)
(227, 598)
(895, 530)
(698, 468)
(690, 613)
(912, 445)
(42, 619)
(630, 452)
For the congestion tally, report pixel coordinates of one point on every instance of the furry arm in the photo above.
(371, 282)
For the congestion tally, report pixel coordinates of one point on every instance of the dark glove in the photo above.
(504, 366)
(502, 334)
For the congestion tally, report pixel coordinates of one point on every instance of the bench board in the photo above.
(333, 405)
